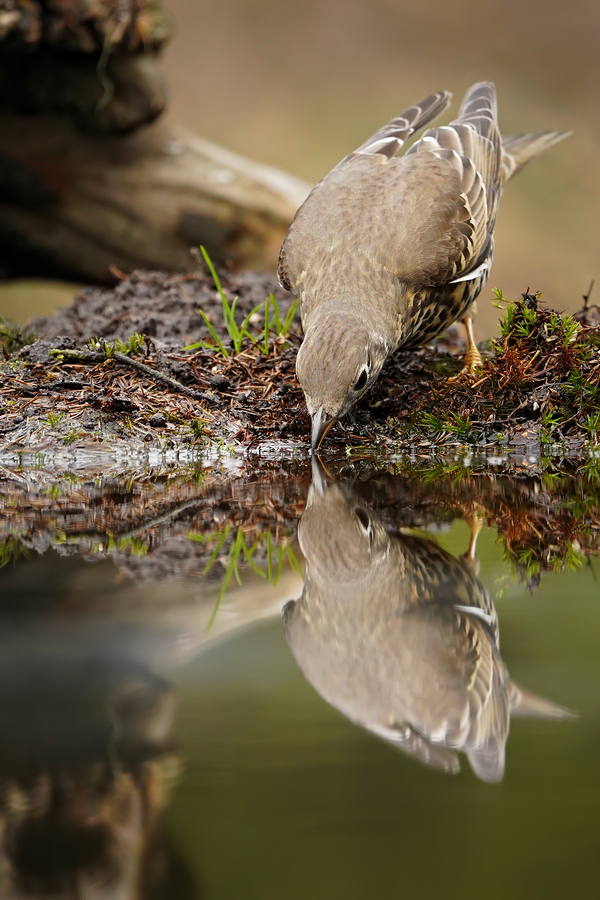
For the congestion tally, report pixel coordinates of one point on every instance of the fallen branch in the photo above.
(90, 356)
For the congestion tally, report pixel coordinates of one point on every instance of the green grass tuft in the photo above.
(237, 333)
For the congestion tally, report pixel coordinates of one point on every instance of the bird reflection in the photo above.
(402, 637)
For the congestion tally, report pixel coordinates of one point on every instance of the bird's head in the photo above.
(340, 358)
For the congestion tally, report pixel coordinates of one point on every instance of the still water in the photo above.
(400, 695)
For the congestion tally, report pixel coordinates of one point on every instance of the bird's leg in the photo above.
(473, 358)
(475, 523)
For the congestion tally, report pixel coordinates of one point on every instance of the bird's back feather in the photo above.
(406, 243)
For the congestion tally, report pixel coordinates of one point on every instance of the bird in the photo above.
(402, 637)
(387, 251)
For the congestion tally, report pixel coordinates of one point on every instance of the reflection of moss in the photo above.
(546, 522)
(11, 550)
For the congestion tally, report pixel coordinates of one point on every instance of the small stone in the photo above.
(157, 421)
(219, 382)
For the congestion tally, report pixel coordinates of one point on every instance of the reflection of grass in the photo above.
(240, 553)
(137, 546)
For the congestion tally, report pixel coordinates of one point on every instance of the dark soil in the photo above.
(50, 402)
(162, 307)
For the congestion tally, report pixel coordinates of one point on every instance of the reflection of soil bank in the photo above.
(86, 766)
(188, 528)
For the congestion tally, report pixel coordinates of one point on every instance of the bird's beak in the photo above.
(321, 424)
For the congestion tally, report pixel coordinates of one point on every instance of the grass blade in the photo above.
(291, 314)
(215, 552)
(214, 334)
(213, 273)
(266, 344)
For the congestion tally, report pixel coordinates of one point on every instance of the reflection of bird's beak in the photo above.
(320, 476)
(321, 424)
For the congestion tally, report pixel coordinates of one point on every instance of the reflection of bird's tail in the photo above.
(518, 149)
(526, 703)
(487, 759)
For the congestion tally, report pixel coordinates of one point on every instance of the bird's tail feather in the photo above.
(526, 703)
(518, 149)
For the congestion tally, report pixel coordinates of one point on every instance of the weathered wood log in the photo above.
(80, 195)
(88, 203)
(94, 61)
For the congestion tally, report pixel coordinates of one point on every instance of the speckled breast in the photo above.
(433, 309)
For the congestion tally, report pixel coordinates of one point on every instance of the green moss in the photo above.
(540, 385)
(13, 337)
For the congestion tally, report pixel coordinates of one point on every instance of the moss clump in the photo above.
(540, 386)
(13, 337)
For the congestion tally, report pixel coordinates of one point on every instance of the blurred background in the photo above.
(298, 85)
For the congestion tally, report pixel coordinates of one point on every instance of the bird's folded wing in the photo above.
(473, 147)
(386, 142)
(389, 139)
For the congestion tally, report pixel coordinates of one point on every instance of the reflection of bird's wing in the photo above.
(416, 745)
(488, 697)
(454, 622)
(384, 144)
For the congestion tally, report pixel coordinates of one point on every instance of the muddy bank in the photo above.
(84, 385)
(152, 367)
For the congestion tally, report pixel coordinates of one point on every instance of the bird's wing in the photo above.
(386, 142)
(473, 147)
(389, 139)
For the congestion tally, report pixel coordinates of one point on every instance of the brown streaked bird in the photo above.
(387, 252)
(402, 637)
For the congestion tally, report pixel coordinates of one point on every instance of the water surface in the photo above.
(164, 738)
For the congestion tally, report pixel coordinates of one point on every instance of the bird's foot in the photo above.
(473, 361)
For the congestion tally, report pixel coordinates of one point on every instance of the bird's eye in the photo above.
(363, 519)
(361, 380)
